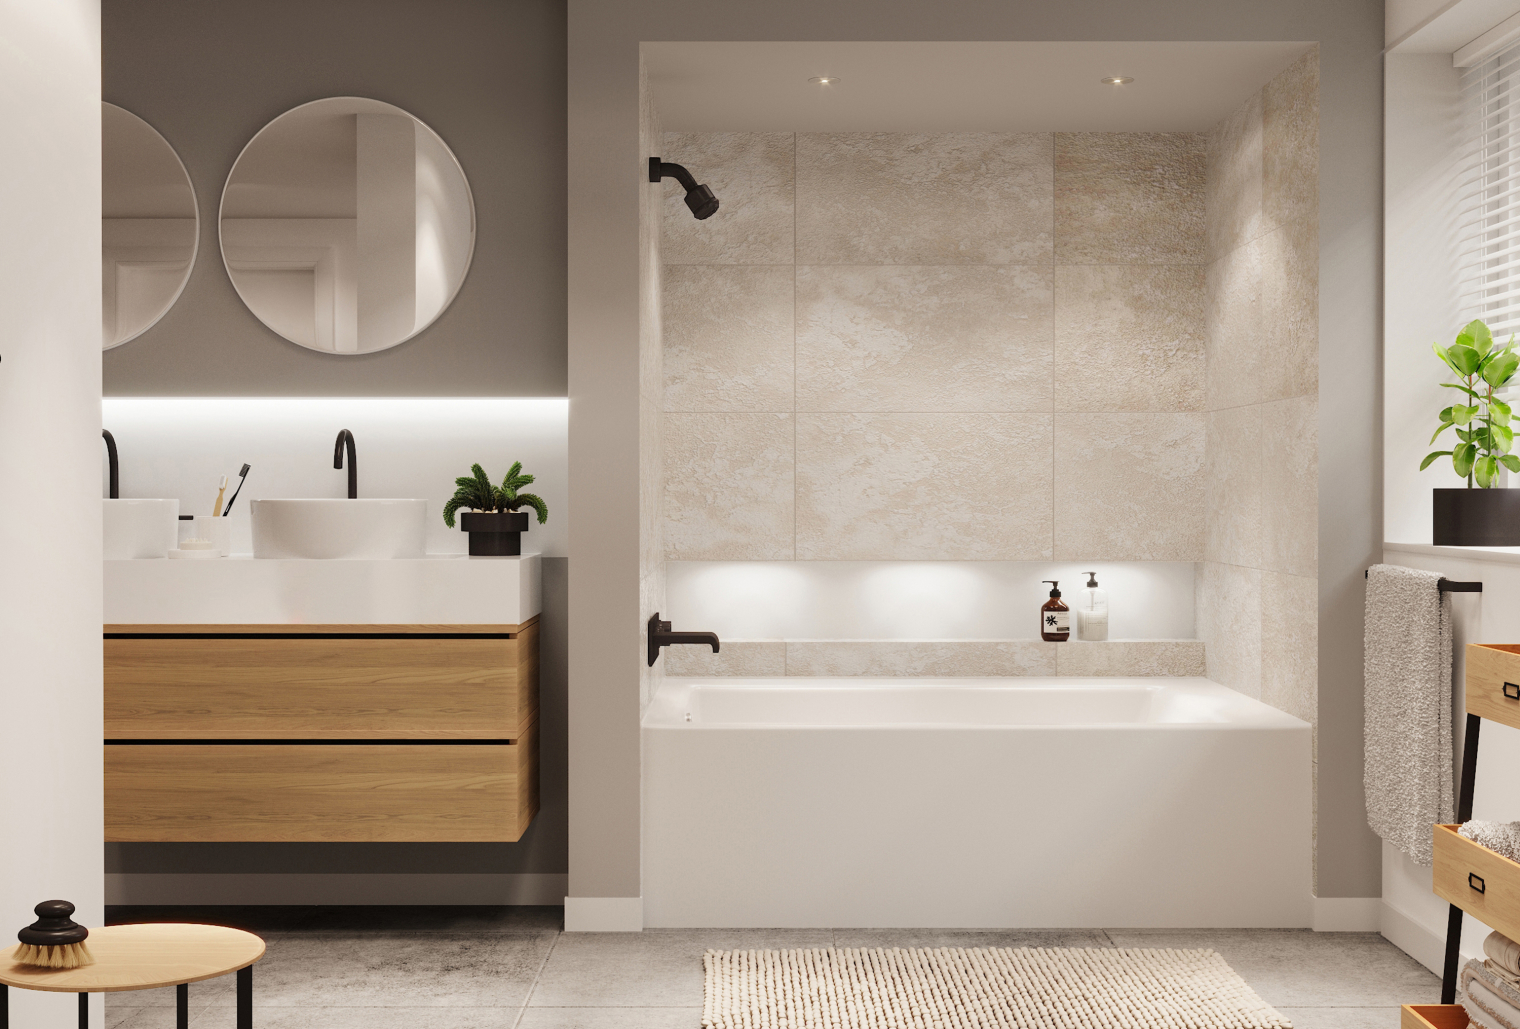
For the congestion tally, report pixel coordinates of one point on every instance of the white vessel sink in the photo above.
(140, 528)
(339, 529)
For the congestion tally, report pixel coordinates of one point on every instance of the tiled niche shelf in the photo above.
(800, 657)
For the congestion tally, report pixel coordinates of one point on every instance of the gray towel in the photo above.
(1407, 707)
(1499, 837)
(1488, 999)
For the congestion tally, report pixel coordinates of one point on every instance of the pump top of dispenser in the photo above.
(1092, 580)
(1055, 587)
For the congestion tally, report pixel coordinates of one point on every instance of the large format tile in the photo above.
(651, 486)
(1290, 485)
(729, 487)
(1287, 360)
(914, 338)
(611, 1018)
(403, 970)
(1342, 1018)
(734, 658)
(1301, 968)
(357, 1017)
(751, 175)
(1129, 487)
(1290, 143)
(1129, 657)
(1232, 187)
(1085, 938)
(921, 657)
(923, 487)
(1129, 338)
(655, 968)
(1229, 623)
(1129, 197)
(1233, 487)
(923, 198)
(1290, 644)
(1234, 336)
(729, 334)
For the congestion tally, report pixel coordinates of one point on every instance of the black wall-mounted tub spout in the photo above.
(661, 636)
(113, 462)
(698, 197)
(346, 439)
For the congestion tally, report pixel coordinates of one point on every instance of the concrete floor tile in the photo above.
(365, 1018)
(970, 938)
(1341, 1018)
(1304, 969)
(611, 1018)
(656, 968)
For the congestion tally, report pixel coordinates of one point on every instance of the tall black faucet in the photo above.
(115, 464)
(346, 438)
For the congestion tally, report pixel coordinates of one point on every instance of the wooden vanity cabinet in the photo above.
(321, 733)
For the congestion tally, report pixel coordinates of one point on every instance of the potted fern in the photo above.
(1481, 516)
(493, 523)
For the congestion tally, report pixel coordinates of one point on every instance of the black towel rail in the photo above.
(1453, 586)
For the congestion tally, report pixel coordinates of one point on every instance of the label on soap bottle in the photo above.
(1057, 621)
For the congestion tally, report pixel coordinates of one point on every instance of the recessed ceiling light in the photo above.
(824, 80)
(1116, 80)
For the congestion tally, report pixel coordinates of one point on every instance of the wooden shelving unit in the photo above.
(1473, 879)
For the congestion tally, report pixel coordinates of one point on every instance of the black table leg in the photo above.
(5, 1006)
(182, 1006)
(84, 1011)
(245, 998)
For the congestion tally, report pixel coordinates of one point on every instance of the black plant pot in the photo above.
(1476, 517)
(495, 533)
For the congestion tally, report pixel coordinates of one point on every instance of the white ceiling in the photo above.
(956, 87)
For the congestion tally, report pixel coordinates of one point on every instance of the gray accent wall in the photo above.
(606, 178)
(488, 77)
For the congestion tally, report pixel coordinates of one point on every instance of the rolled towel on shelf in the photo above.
(1488, 999)
(1503, 957)
(1499, 837)
(1407, 707)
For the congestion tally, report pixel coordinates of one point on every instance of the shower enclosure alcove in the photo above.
(968, 317)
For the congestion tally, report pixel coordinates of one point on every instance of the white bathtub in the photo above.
(973, 803)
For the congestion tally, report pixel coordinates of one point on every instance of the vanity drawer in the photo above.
(1493, 682)
(315, 793)
(244, 687)
(1477, 880)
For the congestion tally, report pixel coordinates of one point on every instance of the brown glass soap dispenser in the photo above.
(1055, 616)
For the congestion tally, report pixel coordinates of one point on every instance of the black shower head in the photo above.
(698, 197)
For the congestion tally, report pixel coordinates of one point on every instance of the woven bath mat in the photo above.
(978, 988)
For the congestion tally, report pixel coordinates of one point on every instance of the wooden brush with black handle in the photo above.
(55, 940)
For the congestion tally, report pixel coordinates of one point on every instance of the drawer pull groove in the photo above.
(1475, 881)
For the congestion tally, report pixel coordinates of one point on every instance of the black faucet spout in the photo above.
(113, 462)
(346, 441)
(661, 636)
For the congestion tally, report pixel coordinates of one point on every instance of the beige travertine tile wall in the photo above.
(1257, 586)
(974, 346)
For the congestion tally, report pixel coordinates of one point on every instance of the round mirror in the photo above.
(347, 225)
(148, 225)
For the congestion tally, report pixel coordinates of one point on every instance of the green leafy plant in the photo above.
(478, 494)
(1482, 421)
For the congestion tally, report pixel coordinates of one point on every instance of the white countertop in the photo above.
(435, 590)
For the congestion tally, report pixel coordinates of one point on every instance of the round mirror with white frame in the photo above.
(149, 228)
(347, 225)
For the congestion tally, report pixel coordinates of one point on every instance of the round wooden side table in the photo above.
(145, 957)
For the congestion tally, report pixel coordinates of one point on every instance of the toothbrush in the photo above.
(242, 478)
(221, 487)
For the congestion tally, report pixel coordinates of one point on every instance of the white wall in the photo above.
(50, 610)
(1413, 917)
(178, 447)
(1421, 301)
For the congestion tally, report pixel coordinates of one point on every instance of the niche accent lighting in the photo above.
(1116, 80)
(824, 80)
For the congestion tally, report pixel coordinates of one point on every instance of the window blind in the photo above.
(1489, 192)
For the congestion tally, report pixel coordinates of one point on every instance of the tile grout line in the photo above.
(522, 1011)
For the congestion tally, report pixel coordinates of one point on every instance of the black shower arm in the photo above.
(659, 169)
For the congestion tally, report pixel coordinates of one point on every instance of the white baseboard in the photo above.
(604, 914)
(1419, 942)
(1347, 914)
(334, 888)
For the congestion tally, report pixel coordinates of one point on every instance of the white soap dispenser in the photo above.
(1092, 611)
